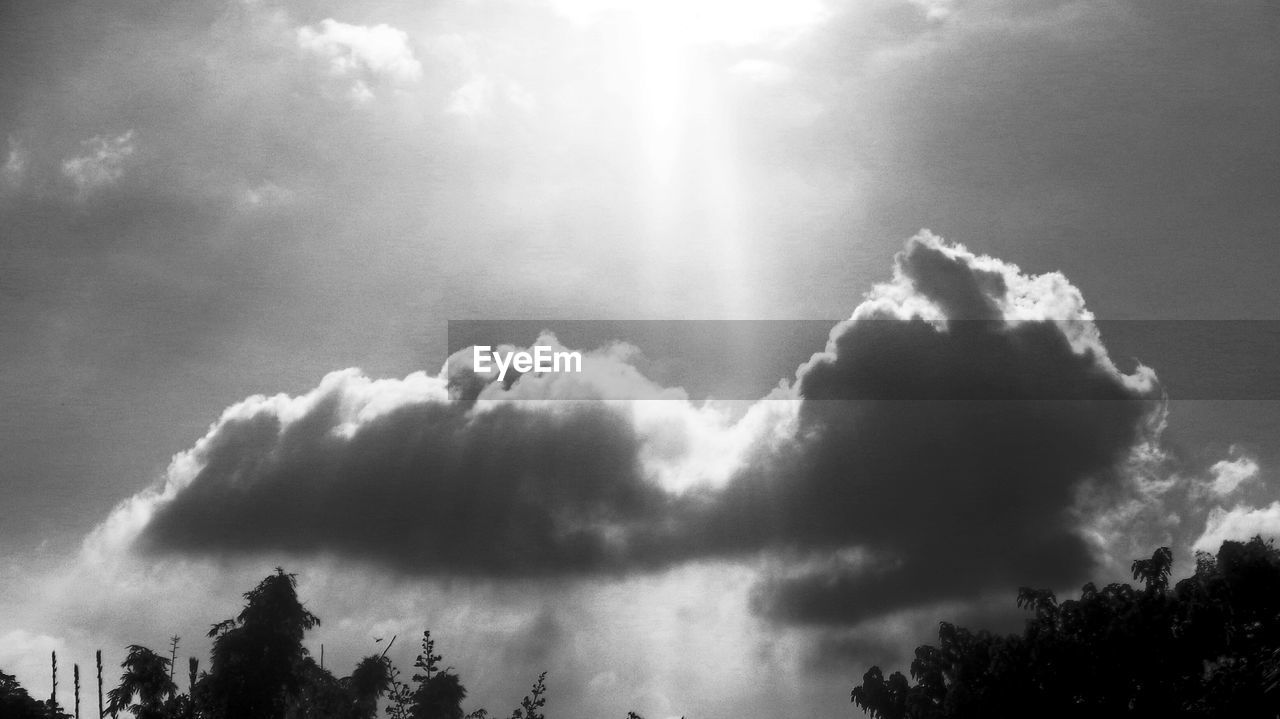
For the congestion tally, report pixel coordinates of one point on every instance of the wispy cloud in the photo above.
(103, 165)
(14, 169)
(364, 56)
(264, 195)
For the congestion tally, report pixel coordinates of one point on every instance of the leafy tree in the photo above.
(257, 665)
(439, 697)
(146, 676)
(320, 695)
(370, 679)
(16, 703)
(193, 669)
(440, 692)
(1205, 648)
(435, 693)
(1154, 572)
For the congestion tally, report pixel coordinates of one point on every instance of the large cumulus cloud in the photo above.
(946, 431)
(935, 450)
(424, 483)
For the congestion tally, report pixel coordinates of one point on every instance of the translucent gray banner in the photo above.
(888, 359)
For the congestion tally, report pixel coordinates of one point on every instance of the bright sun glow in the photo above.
(729, 22)
(692, 194)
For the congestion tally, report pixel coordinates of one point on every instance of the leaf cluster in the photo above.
(1208, 647)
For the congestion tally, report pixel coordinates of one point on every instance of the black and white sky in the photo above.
(233, 233)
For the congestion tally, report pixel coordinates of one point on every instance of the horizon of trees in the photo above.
(1206, 647)
(259, 669)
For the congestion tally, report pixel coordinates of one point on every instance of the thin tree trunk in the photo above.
(53, 695)
(193, 665)
(77, 675)
(173, 655)
(98, 657)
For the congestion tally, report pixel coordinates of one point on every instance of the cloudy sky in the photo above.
(1038, 239)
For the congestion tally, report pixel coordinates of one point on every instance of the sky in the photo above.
(233, 236)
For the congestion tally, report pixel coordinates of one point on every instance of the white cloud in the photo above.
(713, 22)
(935, 10)
(472, 98)
(15, 165)
(1229, 474)
(26, 654)
(264, 195)
(481, 95)
(103, 165)
(1239, 524)
(364, 55)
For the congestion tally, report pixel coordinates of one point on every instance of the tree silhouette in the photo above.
(257, 662)
(440, 692)
(97, 658)
(1206, 648)
(439, 697)
(146, 677)
(531, 706)
(320, 695)
(16, 703)
(259, 669)
(435, 693)
(193, 668)
(370, 680)
(399, 696)
(1154, 572)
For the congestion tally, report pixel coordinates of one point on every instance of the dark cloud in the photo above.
(952, 450)
(428, 487)
(890, 644)
(934, 452)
